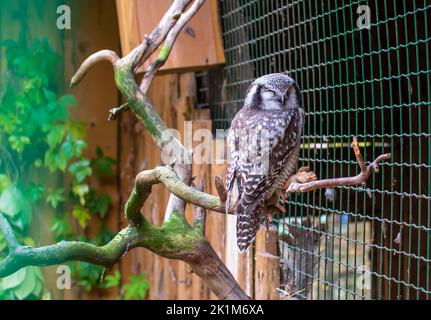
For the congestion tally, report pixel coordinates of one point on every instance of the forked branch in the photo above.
(359, 179)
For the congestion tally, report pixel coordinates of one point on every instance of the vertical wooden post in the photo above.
(267, 265)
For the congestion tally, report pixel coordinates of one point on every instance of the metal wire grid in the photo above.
(373, 84)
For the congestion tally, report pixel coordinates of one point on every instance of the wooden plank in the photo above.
(199, 46)
(267, 265)
(128, 24)
(201, 171)
(216, 222)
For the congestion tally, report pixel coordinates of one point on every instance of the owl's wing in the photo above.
(283, 129)
(232, 177)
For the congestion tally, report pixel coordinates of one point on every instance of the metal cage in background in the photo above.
(371, 82)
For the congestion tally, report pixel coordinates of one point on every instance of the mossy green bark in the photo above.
(174, 238)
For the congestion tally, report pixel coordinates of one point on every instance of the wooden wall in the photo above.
(95, 27)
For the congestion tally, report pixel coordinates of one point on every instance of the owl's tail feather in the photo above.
(248, 223)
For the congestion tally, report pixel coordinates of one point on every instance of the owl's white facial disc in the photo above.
(270, 99)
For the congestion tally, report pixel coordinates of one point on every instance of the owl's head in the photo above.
(272, 92)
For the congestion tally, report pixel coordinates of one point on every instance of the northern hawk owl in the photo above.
(263, 148)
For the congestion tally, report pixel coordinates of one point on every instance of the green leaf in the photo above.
(99, 204)
(51, 106)
(79, 147)
(80, 170)
(18, 143)
(38, 273)
(35, 191)
(14, 280)
(16, 206)
(81, 191)
(55, 136)
(55, 197)
(11, 201)
(137, 287)
(103, 166)
(60, 113)
(68, 101)
(49, 95)
(29, 242)
(40, 117)
(76, 129)
(99, 152)
(82, 215)
(112, 281)
(88, 274)
(25, 289)
(38, 163)
(61, 228)
(4, 182)
(66, 153)
(38, 289)
(50, 160)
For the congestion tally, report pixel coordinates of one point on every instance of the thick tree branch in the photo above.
(171, 31)
(176, 186)
(21, 256)
(175, 239)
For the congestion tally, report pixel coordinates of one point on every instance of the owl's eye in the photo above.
(268, 94)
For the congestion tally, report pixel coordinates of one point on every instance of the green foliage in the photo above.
(103, 165)
(27, 283)
(39, 146)
(87, 274)
(112, 280)
(137, 287)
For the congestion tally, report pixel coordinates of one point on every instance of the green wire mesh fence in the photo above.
(370, 81)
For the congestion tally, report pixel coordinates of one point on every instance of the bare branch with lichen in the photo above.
(360, 179)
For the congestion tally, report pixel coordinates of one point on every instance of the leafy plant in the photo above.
(27, 283)
(39, 146)
(112, 280)
(137, 287)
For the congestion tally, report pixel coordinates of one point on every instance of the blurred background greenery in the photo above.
(47, 172)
